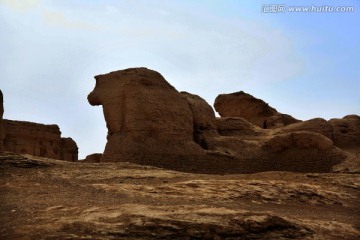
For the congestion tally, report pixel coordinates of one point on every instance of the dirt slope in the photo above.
(50, 199)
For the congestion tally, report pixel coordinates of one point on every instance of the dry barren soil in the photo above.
(49, 199)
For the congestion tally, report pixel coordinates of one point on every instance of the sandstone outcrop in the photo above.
(297, 152)
(35, 139)
(2, 134)
(256, 111)
(279, 120)
(258, 149)
(344, 132)
(303, 152)
(1, 105)
(317, 125)
(310, 144)
(69, 150)
(38, 140)
(150, 122)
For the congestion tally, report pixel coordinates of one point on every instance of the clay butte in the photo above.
(149, 122)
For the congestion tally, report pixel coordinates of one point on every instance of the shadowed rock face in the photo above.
(254, 110)
(204, 122)
(147, 119)
(2, 134)
(149, 122)
(1, 105)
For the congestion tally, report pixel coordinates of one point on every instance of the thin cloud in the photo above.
(59, 19)
(21, 5)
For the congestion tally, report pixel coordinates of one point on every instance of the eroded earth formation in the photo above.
(149, 122)
(1, 121)
(35, 139)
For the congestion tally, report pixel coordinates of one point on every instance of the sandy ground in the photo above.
(50, 199)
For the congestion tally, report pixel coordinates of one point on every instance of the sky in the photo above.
(306, 64)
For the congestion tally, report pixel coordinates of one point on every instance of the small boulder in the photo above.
(93, 158)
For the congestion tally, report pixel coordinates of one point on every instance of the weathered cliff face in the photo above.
(69, 150)
(147, 119)
(149, 122)
(2, 134)
(254, 110)
(38, 140)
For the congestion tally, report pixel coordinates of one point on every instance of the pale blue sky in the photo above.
(303, 64)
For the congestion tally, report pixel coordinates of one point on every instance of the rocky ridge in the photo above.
(149, 122)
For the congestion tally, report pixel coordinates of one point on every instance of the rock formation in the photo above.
(308, 143)
(237, 126)
(345, 132)
(150, 122)
(35, 139)
(38, 140)
(69, 150)
(93, 158)
(204, 122)
(254, 110)
(317, 125)
(2, 134)
(147, 119)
